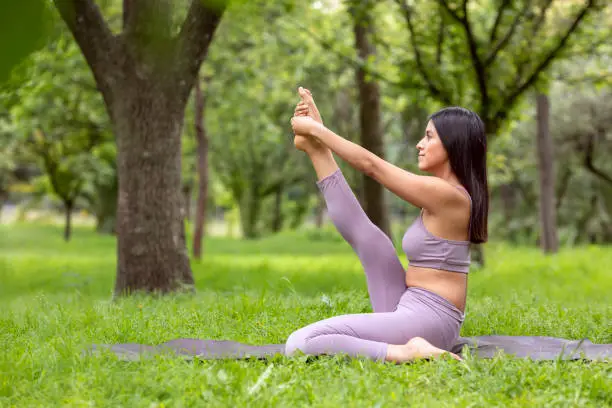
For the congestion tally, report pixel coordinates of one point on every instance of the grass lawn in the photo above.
(55, 300)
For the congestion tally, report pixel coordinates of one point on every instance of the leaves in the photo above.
(58, 116)
(24, 27)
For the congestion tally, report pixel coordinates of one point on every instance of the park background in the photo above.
(145, 148)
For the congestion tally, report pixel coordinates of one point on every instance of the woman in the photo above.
(418, 312)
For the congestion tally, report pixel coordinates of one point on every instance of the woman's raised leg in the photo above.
(385, 273)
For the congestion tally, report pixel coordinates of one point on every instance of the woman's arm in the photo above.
(431, 193)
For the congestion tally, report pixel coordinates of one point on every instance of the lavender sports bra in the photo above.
(424, 249)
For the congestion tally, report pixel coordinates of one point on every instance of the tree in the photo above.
(202, 167)
(487, 61)
(548, 216)
(579, 128)
(7, 165)
(370, 117)
(251, 145)
(145, 74)
(60, 121)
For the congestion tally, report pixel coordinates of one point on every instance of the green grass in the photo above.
(55, 300)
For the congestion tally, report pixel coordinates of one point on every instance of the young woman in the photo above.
(418, 312)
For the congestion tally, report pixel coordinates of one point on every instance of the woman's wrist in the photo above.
(316, 132)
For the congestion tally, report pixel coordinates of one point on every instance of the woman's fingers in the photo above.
(301, 110)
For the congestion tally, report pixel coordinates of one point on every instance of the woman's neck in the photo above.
(445, 173)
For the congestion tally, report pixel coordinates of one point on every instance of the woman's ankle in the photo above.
(317, 152)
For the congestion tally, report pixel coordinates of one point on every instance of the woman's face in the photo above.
(432, 154)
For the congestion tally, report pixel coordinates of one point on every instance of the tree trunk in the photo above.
(299, 211)
(186, 190)
(508, 197)
(3, 198)
(320, 212)
(145, 75)
(277, 220)
(250, 207)
(202, 150)
(477, 255)
(152, 255)
(68, 205)
(548, 242)
(370, 117)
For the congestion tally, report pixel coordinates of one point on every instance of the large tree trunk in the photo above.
(202, 149)
(68, 206)
(151, 247)
(145, 75)
(370, 116)
(548, 242)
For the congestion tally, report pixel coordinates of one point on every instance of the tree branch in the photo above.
(588, 160)
(536, 28)
(49, 164)
(91, 33)
(481, 76)
(541, 17)
(511, 99)
(498, 18)
(147, 26)
(440, 41)
(435, 90)
(563, 184)
(193, 41)
(504, 41)
(353, 62)
(586, 78)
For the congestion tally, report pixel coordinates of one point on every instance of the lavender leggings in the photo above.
(400, 312)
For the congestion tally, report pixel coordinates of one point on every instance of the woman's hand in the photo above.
(305, 126)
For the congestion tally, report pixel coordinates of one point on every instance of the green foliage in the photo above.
(56, 302)
(24, 27)
(57, 118)
(486, 54)
(8, 149)
(580, 127)
(264, 50)
(251, 143)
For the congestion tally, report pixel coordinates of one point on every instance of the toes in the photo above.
(456, 357)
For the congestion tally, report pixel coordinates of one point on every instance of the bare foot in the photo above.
(308, 100)
(416, 348)
(307, 107)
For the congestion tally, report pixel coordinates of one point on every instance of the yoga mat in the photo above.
(534, 347)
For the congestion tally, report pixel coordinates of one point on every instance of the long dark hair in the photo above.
(462, 133)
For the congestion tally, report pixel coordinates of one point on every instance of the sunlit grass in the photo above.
(55, 299)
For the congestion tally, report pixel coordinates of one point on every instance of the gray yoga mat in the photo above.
(534, 347)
